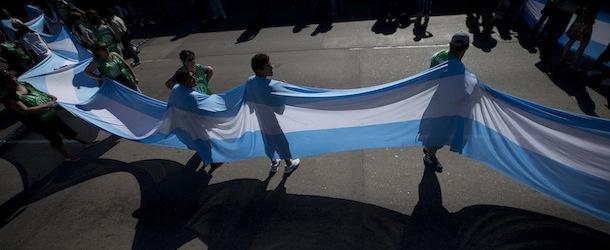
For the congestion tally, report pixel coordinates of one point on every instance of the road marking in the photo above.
(402, 47)
(35, 141)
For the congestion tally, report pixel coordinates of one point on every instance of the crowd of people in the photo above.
(22, 48)
(104, 35)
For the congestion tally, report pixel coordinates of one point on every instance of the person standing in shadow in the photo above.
(556, 26)
(550, 7)
(457, 48)
(580, 30)
(185, 96)
(261, 100)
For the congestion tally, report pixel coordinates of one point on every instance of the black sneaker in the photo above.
(432, 162)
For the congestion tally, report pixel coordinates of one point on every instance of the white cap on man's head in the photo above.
(460, 38)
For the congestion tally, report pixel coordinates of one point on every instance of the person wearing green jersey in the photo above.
(111, 65)
(202, 73)
(16, 58)
(84, 36)
(457, 48)
(104, 33)
(37, 111)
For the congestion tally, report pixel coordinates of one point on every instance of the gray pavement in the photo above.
(129, 195)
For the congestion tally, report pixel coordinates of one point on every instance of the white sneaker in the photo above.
(294, 164)
(274, 165)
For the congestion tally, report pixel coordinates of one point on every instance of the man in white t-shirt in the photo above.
(32, 42)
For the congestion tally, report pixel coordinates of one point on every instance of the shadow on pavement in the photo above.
(572, 83)
(7, 119)
(243, 214)
(181, 17)
(178, 205)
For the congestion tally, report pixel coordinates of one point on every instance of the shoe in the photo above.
(605, 82)
(72, 159)
(274, 165)
(294, 164)
(432, 162)
(133, 64)
(91, 144)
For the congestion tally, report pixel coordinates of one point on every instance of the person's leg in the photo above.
(126, 41)
(534, 32)
(430, 159)
(275, 163)
(428, 8)
(48, 132)
(579, 51)
(420, 8)
(430, 152)
(62, 128)
(566, 50)
(214, 8)
(221, 9)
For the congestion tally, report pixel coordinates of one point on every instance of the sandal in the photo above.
(72, 159)
(92, 143)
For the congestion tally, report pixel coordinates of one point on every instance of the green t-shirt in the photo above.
(114, 68)
(104, 34)
(34, 98)
(13, 52)
(441, 57)
(201, 74)
(78, 30)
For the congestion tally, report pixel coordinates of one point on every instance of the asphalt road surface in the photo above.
(125, 195)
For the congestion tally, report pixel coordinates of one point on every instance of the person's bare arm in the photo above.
(135, 78)
(90, 71)
(170, 83)
(209, 74)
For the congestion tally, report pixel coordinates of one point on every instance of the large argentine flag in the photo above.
(561, 154)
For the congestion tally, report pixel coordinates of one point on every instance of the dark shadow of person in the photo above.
(572, 84)
(325, 25)
(182, 207)
(484, 41)
(523, 36)
(249, 33)
(431, 226)
(420, 29)
(385, 27)
(170, 195)
(40, 181)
